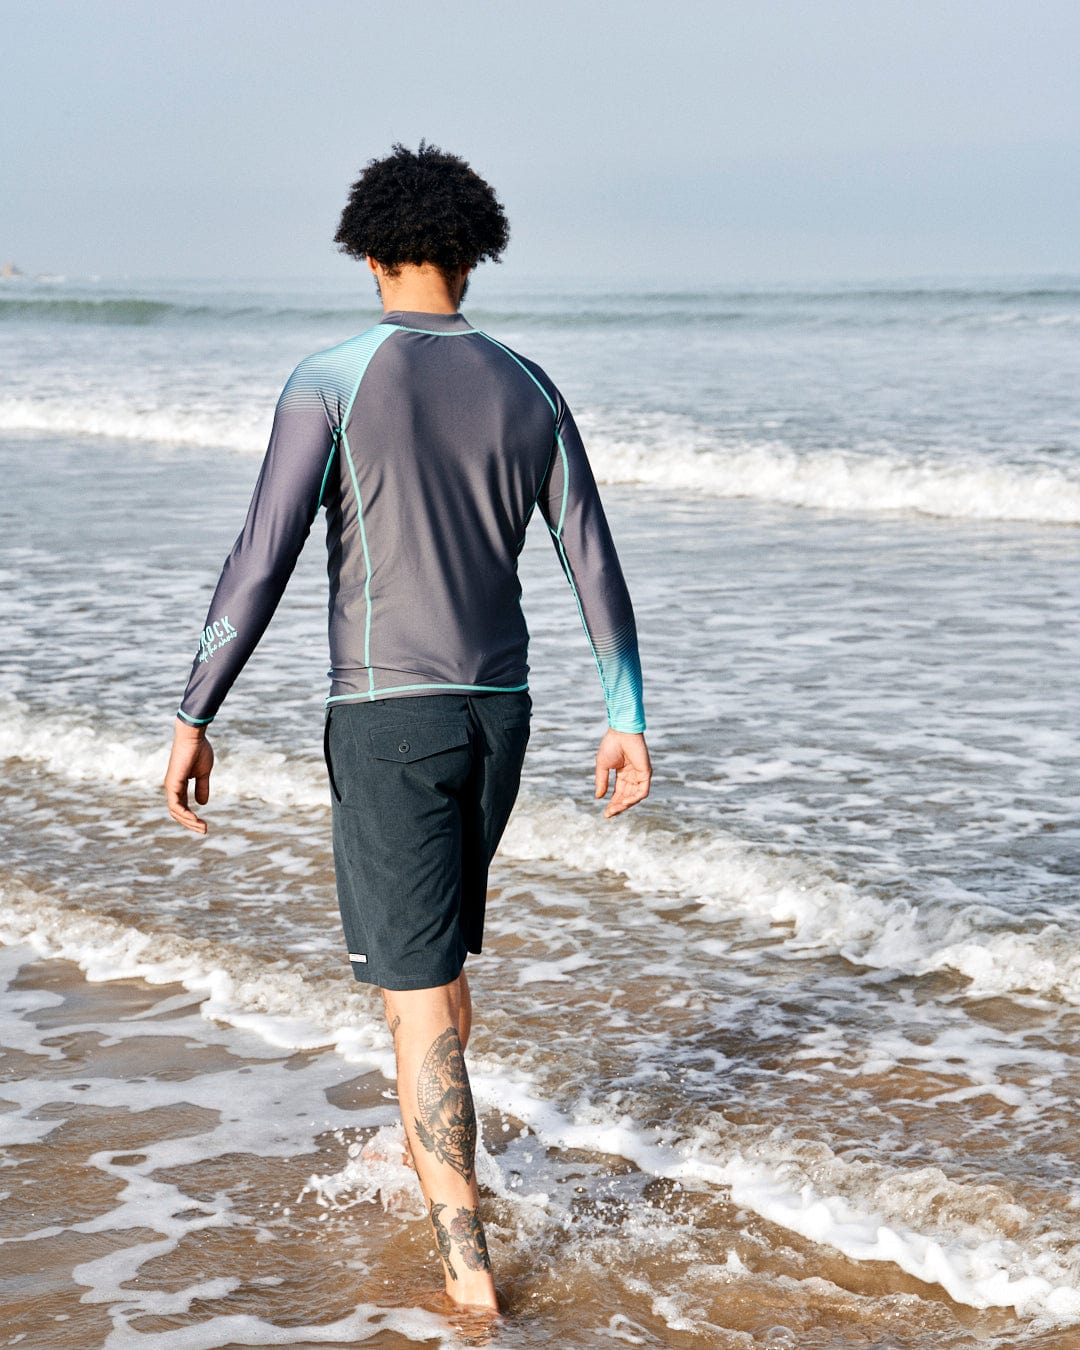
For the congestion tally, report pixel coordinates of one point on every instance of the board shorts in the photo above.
(421, 789)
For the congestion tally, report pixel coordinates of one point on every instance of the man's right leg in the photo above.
(429, 1026)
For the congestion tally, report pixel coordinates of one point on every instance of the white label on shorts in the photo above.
(358, 956)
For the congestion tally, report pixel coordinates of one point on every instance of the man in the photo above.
(428, 444)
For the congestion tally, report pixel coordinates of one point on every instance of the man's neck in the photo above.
(420, 288)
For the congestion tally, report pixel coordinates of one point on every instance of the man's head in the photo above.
(422, 206)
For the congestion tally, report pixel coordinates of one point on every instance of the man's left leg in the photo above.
(430, 1027)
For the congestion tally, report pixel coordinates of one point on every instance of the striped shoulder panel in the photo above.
(329, 379)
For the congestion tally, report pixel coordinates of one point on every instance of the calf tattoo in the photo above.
(466, 1232)
(442, 1237)
(446, 1125)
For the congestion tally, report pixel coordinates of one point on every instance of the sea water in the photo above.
(786, 1056)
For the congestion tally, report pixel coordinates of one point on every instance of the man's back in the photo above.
(429, 444)
(445, 450)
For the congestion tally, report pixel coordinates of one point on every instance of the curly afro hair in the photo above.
(423, 206)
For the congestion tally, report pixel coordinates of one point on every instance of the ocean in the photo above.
(787, 1056)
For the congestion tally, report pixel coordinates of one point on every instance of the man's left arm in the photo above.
(575, 517)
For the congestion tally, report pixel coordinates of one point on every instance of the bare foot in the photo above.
(475, 1323)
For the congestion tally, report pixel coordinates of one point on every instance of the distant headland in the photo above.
(9, 271)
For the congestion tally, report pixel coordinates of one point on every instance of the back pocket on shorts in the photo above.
(417, 740)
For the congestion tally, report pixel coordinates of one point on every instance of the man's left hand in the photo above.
(626, 753)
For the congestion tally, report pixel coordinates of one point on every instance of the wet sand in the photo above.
(163, 1189)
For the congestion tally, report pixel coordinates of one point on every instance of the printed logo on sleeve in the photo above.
(214, 636)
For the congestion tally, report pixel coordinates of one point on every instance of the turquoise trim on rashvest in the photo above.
(403, 688)
(367, 559)
(620, 675)
(565, 482)
(556, 534)
(365, 346)
(565, 561)
(434, 332)
(372, 340)
(326, 471)
(193, 721)
(518, 361)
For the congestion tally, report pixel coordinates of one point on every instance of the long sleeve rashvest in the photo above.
(429, 445)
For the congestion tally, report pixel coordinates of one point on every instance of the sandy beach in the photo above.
(170, 1177)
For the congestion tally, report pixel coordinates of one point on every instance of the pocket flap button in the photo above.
(408, 744)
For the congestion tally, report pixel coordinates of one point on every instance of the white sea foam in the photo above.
(364, 1323)
(729, 877)
(179, 425)
(275, 1002)
(1047, 959)
(991, 1272)
(81, 752)
(670, 453)
(947, 1233)
(804, 906)
(662, 451)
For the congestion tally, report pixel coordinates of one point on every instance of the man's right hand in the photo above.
(192, 757)
(626, 753)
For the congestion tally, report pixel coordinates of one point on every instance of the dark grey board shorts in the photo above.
(422, 789)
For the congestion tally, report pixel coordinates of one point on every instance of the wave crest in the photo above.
(659, 452)
(796, 900)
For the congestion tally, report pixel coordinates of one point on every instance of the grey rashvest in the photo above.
(429, 445)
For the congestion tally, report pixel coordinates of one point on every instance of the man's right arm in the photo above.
(286, 498)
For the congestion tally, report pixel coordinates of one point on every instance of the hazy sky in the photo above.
(731, 140)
